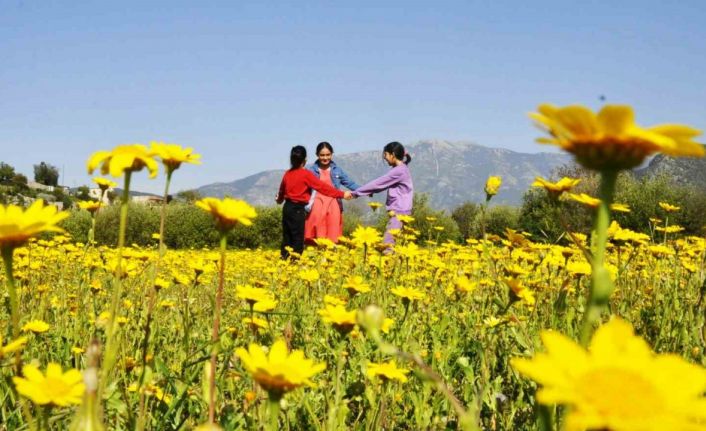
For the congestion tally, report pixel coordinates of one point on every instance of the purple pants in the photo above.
(392, 223)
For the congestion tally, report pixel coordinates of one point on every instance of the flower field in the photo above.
(465, 310)
(595, 332)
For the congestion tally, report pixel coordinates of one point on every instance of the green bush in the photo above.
(496, 219)
(142, 222)
(643, 195)
(77, 225)
(187, 226)
(464, 215)
(266, 230)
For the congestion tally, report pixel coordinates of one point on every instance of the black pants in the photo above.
(293, 218)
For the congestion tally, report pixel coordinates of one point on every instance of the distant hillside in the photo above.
(450, 172)
(685, 170)
(119, 192)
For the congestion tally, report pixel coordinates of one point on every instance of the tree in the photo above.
(46, 174)
(464, 215)
(7, 172)
(188, 196)
(83, 194)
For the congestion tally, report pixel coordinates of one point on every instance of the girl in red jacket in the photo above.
(295, 191)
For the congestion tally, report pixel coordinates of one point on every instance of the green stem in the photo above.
(333, 418)
(43, 418)
(601, 283)
(12, 291)
(216, 329)
(111, 346)
(164, 212)
(15, 322)
(92, 231)
(150, 306)
(273, 409)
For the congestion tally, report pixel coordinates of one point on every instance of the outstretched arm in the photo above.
(322, 187)
(377, 185)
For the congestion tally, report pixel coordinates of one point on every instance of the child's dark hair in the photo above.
(323, 145)
(297, 157)
(397, 150)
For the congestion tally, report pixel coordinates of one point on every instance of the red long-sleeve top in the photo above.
(297, 184)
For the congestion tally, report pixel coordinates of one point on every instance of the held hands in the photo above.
(348, 195)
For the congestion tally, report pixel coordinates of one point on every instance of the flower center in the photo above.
(622, 393)
(55, 388)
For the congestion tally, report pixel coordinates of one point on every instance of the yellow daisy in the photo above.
(341, 319)
(610, 140)
(228, 212)
(556, 189)
(90, 206)
(279, 371)
(36, 326)
(104, 183)
(364, 235)
(173, 155)
(618, 383)
(668, 207)
(56, 388)
(12, 346)
(386, 371)
(17, 225)
(492, 185)
(121, 159)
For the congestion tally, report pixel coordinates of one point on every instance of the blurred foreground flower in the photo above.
(618, 384)
(56, 388)
(18, 225)
(610, 140)
(279, 371)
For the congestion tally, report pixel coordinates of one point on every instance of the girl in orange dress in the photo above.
(325, 219)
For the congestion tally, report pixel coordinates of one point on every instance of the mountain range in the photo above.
(451, 173)
(683, 170)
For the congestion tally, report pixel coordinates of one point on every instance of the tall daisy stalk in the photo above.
(17, 226)
(227, 213)
(172, 156)
(122, 160)
(608, 142)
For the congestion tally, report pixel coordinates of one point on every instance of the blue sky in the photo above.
(242, 82)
